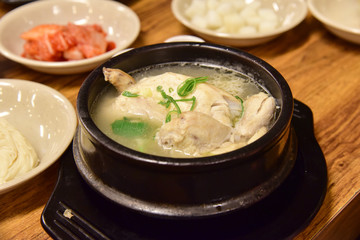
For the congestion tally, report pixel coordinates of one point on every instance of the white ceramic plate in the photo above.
(341, 17)
(43, 116)
(289, 12)
(120, 23)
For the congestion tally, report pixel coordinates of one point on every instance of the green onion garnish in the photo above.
(184, 89)
(168, 99)
(242, 105)
(193, 99)
(168, 116)
(129, 94)
(188, 86)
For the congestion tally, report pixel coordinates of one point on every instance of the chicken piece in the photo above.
(146, 104)
(209, 100)
(258, 134)
(259, 110)
(209, 129)
(194, 133)
(139, 107)
(217, 103)
(228, 147)
(119, 79)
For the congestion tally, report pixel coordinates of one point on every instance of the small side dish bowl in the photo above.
(120, 23)
(341, 17)
(185, 187)
(43, 116)
(289, 13)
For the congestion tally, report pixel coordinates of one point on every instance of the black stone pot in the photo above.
(195, 187)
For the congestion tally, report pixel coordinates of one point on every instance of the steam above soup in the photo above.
(183, 111)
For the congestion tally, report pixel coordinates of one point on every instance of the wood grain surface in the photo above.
(323, 72)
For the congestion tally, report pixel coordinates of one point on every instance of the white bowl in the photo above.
(120, 23)
(43, 116)
(289, 12)
(184, 38)
(341, 17)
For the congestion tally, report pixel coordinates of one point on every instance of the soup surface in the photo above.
(184, 110)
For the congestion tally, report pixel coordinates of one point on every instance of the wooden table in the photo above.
(323, 72)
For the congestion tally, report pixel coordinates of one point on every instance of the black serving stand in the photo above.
(76, 211)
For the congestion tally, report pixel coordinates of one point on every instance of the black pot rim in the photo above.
(242, 154)
(192, 211)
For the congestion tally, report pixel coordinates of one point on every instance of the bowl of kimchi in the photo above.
(67, 36)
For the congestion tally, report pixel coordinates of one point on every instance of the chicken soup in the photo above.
(183, 110)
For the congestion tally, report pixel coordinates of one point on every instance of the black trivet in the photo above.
(75, 211)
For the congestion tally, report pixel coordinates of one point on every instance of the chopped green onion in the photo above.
(165, 103)
(129, 94)
(242, 105)
(168, 116)
(193, 99)
(188, 86)
(185, 88)
(168, 99)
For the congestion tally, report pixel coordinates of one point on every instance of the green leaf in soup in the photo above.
(129, 94)
(130, 128)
